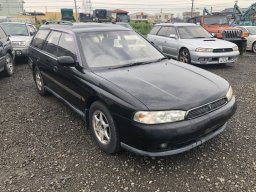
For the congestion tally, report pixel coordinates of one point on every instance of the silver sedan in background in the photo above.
(191, 43)
(251, 39)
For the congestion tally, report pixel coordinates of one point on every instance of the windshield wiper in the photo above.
(138, 63)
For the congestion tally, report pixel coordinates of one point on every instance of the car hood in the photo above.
(208, 43)
(20, 38)
(168, 85)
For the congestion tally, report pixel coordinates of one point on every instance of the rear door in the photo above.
(48, 61)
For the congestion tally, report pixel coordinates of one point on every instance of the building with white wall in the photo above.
(11, 8)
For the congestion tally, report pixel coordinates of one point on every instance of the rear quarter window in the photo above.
(155, 30)
(40, 38)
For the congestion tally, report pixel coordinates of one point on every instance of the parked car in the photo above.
(191, 43)
(218, 25)
(131, 96)
(21, 35)
(6, 54)
(251, 39)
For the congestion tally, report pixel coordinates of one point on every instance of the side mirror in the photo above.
(66, 61)
(1, 44)
(214, 34)
(32, 33)
(173, 36)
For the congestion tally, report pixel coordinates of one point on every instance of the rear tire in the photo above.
(40, 86)
(103, 128)
(184, 56)
(9, 66)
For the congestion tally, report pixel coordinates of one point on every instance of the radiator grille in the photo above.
(231, 34)
(202, 110)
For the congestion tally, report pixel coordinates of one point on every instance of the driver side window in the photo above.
(67, 46)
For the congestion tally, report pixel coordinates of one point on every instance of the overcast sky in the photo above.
(150, 6)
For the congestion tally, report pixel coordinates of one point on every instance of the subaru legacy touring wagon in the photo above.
(129, 94)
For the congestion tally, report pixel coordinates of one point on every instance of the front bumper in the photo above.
(20, 51)
(213, 58)
(173, 138)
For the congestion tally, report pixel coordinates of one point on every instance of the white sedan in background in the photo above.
(251, 39)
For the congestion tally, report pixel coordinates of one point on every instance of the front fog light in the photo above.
(229, 94)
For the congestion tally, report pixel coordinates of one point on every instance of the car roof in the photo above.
(176, 24)
(84, 27)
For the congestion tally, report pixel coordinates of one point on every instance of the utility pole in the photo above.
(76, 11)
(192, 8)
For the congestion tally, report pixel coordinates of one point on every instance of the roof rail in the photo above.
(61, 22)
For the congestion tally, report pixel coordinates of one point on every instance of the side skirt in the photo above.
(79, 112)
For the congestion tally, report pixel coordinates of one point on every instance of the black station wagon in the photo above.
(129, 94)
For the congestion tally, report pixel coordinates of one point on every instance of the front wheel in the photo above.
(254, 47)
(9, 66)
(184, 56)
(103, 128)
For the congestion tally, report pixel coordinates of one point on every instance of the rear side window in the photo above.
(39, 39)
(51, 44)
(155, 30)
(67, 46)
(163, 31)
(2, 34)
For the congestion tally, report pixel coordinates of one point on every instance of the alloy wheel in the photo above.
(101, 127)
(254, 48)
(9, 64)
(39, 82)
(184, 56)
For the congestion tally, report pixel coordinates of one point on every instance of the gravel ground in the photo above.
(44, 146)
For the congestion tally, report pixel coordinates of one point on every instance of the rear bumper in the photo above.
(213, 58)
(173, 138)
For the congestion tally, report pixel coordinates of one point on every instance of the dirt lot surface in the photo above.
(45, 147)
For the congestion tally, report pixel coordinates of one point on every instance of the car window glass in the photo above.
(39, 39)
(2, 34)
(51, 44)
(67, 46)
(163, 31)
(170, 31)
(155, 30)
(31, 29)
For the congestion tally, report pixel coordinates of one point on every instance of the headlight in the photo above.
(204, 49)
(229, 94)
(158, 117)
(235, 48)
(19, 43)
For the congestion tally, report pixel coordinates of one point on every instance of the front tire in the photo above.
(254, 47)
(39, 82)
(9, 66)
(184, 56)
(103, 128)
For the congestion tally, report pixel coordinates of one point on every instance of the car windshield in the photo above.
(15, 29)
(217, 20)
(193, 32)
(113, 49)
(252, 30)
